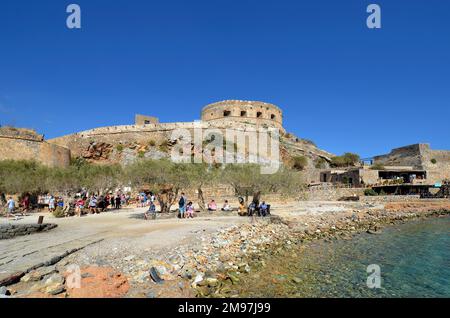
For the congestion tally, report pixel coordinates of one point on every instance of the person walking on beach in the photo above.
(11, 204)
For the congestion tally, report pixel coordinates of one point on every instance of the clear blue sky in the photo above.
(340, 84)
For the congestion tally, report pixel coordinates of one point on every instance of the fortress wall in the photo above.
(23, 149)
(122, 143)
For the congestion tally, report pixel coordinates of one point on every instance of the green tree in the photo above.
(247, 180)
(346, 160)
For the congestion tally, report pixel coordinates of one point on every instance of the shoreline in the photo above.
(220, 282)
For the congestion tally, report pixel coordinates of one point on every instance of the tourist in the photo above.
(251, 209)
(93, 205)
(101, 204)
(152, 197)
(26, 203)
(143, 200)
(11, 204)
(112, 202)
(151, 211)
(226, 206)
(212, 206)
(79, 205)
(118, 201)
(51, 204)
(190, 210)
(107, 201)
(182, 205)
(60, 203)
(242, 210)
(263, 209)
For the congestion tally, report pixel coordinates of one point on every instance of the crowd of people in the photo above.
(84, 203)
(186, 208)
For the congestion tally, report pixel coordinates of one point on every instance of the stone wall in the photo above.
(28, 149)
(331, 193)
(389, 198)
(437, 172)
(9, 231)
(123, 144)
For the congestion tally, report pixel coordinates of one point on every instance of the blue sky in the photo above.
(340, 84)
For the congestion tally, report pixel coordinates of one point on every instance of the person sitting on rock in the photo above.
(226, 206)
(242, 210)
(252, 209)
(263, 209)
(212, 206)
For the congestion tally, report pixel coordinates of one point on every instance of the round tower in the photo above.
(259, 114)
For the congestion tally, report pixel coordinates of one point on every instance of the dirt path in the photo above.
(101, 232)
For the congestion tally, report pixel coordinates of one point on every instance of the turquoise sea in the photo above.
(414, 259)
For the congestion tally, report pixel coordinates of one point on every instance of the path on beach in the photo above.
(21, 254)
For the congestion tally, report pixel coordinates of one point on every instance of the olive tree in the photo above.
(247, 180)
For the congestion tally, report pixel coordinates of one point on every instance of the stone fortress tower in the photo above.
(259, 114)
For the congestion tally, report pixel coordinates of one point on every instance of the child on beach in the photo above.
(190, 210)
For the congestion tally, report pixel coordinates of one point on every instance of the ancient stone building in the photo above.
(26, 144)
(436, 163)
(253, 113)
(411, 168)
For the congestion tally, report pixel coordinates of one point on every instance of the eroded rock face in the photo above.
(97, 151)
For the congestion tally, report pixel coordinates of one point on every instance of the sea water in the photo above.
(413, 258)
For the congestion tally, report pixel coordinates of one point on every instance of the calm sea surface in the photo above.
(414, 259)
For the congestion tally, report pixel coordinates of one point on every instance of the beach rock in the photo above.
(296, 280)
(54, 284)
(198, 279)
(4, 291)
(212, 282)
